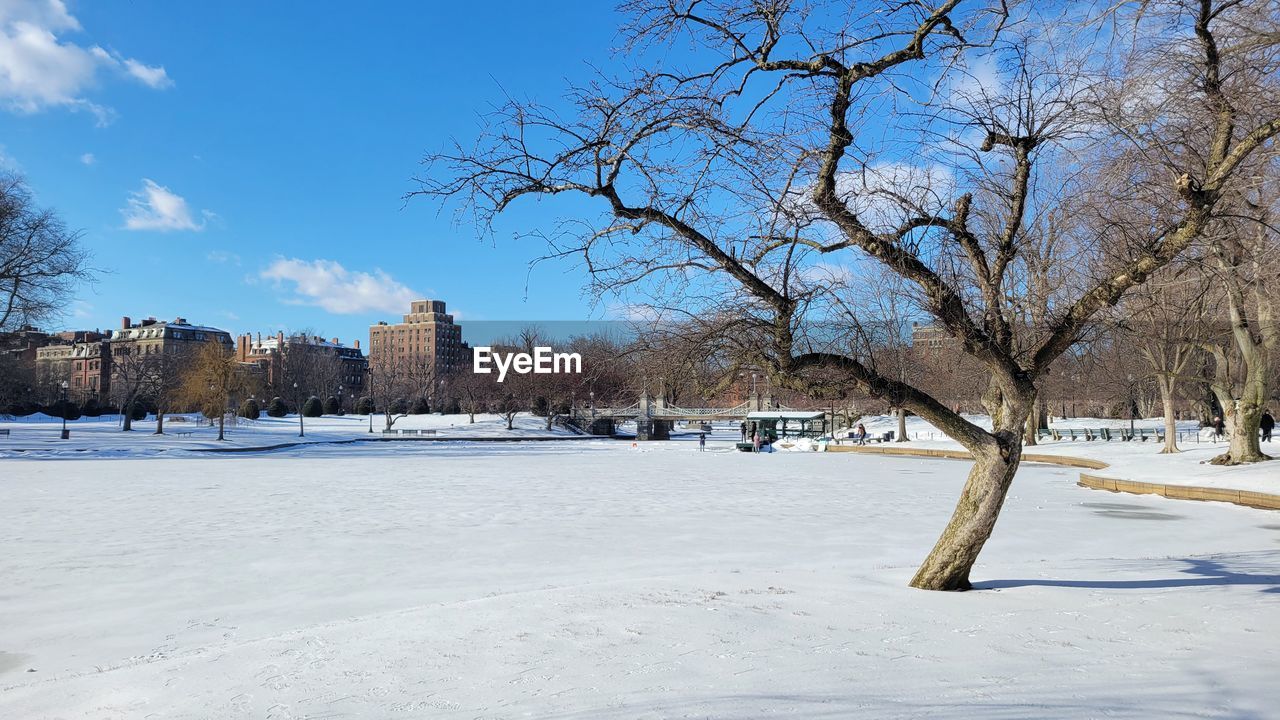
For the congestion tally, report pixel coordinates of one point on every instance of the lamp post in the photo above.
(302, 430)
(66, 434)
(339, 400)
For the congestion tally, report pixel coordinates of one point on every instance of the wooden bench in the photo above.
(396, 431)
(183, 433)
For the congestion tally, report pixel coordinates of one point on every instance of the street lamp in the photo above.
(66, 434)
(339, 400)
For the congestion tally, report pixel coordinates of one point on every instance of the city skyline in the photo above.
(189, 157)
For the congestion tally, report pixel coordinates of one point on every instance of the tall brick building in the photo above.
(428, 337)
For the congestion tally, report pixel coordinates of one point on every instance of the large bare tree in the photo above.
(41, 261)
(785, 135)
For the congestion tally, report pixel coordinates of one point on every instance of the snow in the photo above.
(1134, 460)
(38, 435)
(602, 579)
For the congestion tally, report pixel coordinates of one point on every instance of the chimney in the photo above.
(335, 341)
(279, 340)
(357, 344)
(125, 322)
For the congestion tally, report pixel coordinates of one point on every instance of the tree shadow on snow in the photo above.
(1199, 572)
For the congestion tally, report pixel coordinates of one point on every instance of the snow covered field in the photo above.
(590, 579)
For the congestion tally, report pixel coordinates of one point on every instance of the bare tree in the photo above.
(131, 379)
(41, 261)
(1166, 320)
(390, 382)
(304, 370)
(734, 176)
(1246, 264)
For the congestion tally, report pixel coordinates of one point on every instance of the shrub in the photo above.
(399, 407)
(138, 411)
(312, 407)
(420, 407)
(249, 409)
(65, 409)
(277, 408)
(331, 406)
(365, 406)
(91, 408)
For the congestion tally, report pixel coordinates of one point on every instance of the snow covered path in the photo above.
(592, 580)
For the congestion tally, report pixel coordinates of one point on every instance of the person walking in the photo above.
(755, 443)
(702, 442)
(743, 427)
(861, 434)
(1219, 427)
(1268, 425)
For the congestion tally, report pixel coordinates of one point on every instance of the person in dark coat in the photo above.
(743, 427)
(1219, 427)
(1268, 424)
(702, 442)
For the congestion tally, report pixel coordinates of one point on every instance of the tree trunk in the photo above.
(222, 421)
(472, 415)
(948, 565)
(302, 430)
(902, 425)
(511, 419)
(128, 416)
(996, 461)
(1166, 384)
(1032, 427)
(1242, 418)
(159, 421)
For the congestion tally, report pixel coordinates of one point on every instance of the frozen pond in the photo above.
(594, 580)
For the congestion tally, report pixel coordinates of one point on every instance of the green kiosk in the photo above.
(774, 425)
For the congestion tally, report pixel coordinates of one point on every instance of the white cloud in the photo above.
(328, 285)
(152, 77)
(155, 207)
(40, 68)
(223, 257)
(88, 159)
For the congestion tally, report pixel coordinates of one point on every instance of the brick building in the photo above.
(82, 359)
(266, 355)
(428, 337)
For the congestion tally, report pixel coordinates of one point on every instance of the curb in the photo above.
(1247, 498)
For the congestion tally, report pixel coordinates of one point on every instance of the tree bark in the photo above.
(128, 416)
(996, 458)
(222, 421)
(1166, 384)
(1032, 427)
(159, 421)
(1243, 417)
(902, 425)
(953, 556)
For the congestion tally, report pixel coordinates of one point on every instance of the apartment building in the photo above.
(427, 337)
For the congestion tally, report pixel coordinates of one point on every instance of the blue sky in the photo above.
(242, 163)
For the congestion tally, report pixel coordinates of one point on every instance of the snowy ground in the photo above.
(1134, 460)
(40, 434)
(590, 579)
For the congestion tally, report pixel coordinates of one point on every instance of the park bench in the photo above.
(176, 418)
(183, 433)
(4, 432)
(396, 431)
(1105, 433)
